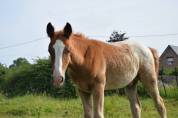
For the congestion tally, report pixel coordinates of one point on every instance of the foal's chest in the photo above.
(83, 85)
(83, 82)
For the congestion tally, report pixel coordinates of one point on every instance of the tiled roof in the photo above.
(174, 48)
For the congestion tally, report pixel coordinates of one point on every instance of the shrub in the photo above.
(34, 78)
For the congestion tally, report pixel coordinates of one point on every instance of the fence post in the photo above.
(161, 73)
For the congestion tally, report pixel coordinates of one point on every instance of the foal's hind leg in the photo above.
(149, 80)
(131, 91)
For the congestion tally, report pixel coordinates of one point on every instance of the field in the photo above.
(35, 106)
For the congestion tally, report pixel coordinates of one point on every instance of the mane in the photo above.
(80, 36)
(78, 44)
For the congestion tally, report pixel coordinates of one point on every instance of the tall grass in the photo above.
(42, 106)
(169, 92)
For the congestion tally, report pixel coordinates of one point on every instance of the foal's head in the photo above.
(59, 52)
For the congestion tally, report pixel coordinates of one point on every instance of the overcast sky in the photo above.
(23, 21)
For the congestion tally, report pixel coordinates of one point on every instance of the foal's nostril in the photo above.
(58, 81)
(61, 79)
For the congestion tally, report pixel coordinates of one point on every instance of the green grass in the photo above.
(171, 92)
(33, 106)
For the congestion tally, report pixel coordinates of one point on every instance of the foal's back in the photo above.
(123, 62)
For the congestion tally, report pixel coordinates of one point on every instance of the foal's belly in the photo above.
(116, 79)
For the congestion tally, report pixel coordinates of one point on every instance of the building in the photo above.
(169, 58)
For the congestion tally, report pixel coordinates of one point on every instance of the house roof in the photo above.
(174, 48)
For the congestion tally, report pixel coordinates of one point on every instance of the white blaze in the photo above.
(58, 47)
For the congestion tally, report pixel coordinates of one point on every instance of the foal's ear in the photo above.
(50, 29)
(67, 30)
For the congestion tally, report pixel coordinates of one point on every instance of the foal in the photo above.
(95, 66)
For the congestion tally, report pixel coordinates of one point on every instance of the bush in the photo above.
(3, 70)
(15, 81)
(169, 71)
(34, 78)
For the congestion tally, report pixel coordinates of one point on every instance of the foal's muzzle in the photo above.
(58, 81)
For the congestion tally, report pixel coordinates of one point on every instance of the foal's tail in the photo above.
(156, 59)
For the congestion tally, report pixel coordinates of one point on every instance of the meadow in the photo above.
(43, 106)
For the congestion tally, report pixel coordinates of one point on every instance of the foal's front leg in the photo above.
(87, 103)
(98, 100)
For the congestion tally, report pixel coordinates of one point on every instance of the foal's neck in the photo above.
(78, 45)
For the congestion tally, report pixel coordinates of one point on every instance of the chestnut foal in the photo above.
(95, 66)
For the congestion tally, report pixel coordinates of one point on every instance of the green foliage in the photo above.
(175, 71)
(3, 70)
(171, 92)
(169, 71)
(18, 62)
(115, 37)
(22, 77)
(15, 80)
(34, 78)
(141, 90)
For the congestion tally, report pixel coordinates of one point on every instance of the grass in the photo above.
(35, 106)
(169, 92)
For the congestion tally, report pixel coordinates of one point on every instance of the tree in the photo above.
(24, 78)
(36, 78)
(19, 61)
(115, 36)
(3, 70)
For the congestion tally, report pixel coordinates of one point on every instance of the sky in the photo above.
(23, 21)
